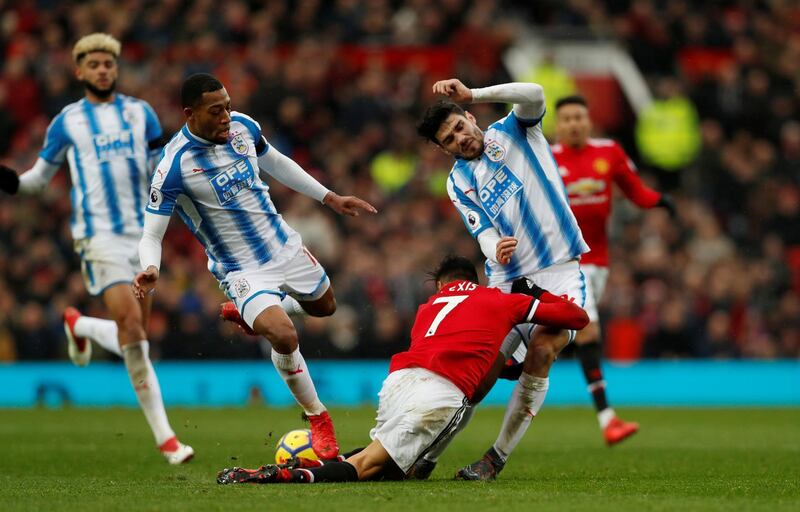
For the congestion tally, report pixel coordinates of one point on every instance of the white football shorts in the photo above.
(108, 260)
(299, 275)
(596, 278)
(417, 409)
(559, 279)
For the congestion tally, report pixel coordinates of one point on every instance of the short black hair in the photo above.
(454, 267)
(434, 116)
(575, 99)
(193, 88)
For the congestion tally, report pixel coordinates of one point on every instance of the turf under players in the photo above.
(589, 168)
(108, 140)
(212, 171)
(455, 345)
(507, 189)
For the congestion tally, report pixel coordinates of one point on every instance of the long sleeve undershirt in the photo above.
(288, 172)
(155, 226)
(35, 179)
(528, 98)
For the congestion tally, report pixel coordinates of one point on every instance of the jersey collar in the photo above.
(194, 138)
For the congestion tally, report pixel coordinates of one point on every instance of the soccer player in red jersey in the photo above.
(589, 168)
(454, 358)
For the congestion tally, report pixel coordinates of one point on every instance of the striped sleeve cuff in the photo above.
(532, 310)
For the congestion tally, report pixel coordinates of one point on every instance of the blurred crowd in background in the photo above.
(720, 280)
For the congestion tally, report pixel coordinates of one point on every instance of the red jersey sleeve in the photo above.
(626, 177)
(518, 307)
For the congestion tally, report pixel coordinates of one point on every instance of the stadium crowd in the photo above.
(720, 280)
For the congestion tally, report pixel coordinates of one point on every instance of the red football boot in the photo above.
(617, 431)
(79, 349)
(228, 311)
(323, 438)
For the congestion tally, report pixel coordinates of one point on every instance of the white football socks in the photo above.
(293, 370)
(103, 332)
(292, 307)
(145, 384)
(605, 416)
(526, 400)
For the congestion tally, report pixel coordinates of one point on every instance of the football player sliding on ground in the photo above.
(453, 360)
(212, 171)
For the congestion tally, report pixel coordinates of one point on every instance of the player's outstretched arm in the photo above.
(347, 205)
(551, 310)
(150, 253)
(288, 172)
(32, 181)
(528, 98)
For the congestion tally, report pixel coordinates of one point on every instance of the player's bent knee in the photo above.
(329, 307)
(324, 306)
(282, 336)
(543, 354)
(589, 334)
(129, 325)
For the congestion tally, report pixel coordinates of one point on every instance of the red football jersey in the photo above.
(458, 332)
(588, 173)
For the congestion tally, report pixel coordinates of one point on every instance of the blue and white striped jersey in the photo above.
(515, 187)
(221, 197)
(107, 147)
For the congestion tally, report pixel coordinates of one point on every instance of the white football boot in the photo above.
(176, 452)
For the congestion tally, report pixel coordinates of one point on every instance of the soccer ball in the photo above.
(296, 443)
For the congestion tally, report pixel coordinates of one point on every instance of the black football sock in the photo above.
(352, 452)
(589, 354)
(330, 472)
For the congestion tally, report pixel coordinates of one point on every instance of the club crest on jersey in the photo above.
(156, 198)
(232, 180)
(239, 144)
(601, 166)
(128, 115)
(502, 186)
(241, 288)
(494, 151)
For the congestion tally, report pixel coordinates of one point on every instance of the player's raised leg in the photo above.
(80, 330)
(274, 324)
(129, 315)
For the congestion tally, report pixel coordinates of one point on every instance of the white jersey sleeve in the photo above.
(474, 217)
(56, 141)
(166, 186)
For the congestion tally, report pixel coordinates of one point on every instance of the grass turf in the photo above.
(687, 459)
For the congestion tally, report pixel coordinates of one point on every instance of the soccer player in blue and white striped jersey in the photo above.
(507, 189)
(213, 171)
(109, 141)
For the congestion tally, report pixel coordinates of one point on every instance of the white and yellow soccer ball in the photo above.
(296, 443)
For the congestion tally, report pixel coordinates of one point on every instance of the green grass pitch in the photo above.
(682, 459)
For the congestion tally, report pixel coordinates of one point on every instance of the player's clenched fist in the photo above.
(505, 249)
(453, 89)
(145, 282)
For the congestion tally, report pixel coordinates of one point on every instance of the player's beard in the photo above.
(100, 93)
